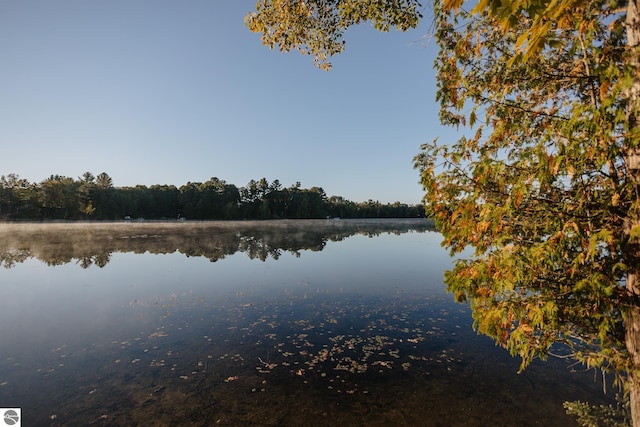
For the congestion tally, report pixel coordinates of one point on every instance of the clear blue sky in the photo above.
(166, 92)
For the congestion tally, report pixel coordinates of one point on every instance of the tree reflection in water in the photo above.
(362, 334)
(89, 244)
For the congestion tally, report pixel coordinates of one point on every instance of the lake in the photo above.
(276, 323)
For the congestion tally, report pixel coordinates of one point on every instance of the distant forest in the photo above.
(95, 198)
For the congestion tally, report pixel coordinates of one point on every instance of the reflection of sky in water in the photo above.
(153, 333)
(40, 302)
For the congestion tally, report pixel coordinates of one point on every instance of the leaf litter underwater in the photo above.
(296, 359)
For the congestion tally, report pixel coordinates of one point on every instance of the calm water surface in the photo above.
(273, 323)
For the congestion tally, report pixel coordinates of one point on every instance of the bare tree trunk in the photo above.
(632, 338)
(632, 249)
(632, 321)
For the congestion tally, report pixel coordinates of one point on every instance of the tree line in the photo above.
(92, 197)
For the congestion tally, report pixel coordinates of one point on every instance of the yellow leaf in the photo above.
(615, 200)
(522, 40)
(604, 88)
(483, 226)
(525, 328)
(453, 4)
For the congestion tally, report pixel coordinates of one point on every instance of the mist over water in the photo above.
(265, 323)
